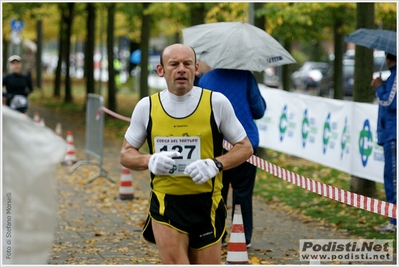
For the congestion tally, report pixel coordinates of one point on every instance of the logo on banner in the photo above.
(345, 139)
(365, 142)
(287, 125)
(283, 123)
(326, 133)
(305, 128)
(309, 129)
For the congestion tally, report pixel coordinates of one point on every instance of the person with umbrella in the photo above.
(384, 40)
(241, 88)
(234, 50)
(386, 132)
(184, 126)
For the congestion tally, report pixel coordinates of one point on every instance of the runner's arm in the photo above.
(233, 131)
(238, 154)
(132, 158)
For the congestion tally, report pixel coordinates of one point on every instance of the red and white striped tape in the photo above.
(353, 199)
(110, 112)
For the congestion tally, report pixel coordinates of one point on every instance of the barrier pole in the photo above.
(94, 137)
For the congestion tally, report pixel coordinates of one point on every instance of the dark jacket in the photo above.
(241, 88)
(18, 84)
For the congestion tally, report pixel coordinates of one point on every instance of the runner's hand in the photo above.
(160, 163)
(202, 170)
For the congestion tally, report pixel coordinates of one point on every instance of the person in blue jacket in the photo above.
(386, 133)
(241, 88)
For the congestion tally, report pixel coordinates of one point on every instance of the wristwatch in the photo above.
(218, 164)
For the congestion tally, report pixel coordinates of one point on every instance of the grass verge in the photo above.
(311, 206)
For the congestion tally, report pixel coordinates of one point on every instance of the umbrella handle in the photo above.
(382, 65)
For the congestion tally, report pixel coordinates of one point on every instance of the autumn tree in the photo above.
(333, 20)
(64, 52)
(32, 15)
(89, 48)
(362, 90)
(260, 22)
(110, 53)
(289, 23)
(281, 19)
(144, 45)
(197, 13)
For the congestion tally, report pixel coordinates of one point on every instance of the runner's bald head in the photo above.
(166, 50)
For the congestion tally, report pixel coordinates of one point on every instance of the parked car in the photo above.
(308, 75)
(326, 84)
(379, 59)
(270, 78)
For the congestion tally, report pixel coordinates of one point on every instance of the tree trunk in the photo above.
(259, 22)
(286, 69)
(362, 91)
(133, 47)
(197, 13)
(6, 43)
(338, 52)
(89, 50)
(144, 45)
(68, 82)
(110, 52)
(61, 48)
(39, 41)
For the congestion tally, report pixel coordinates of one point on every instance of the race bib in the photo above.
(189, 148)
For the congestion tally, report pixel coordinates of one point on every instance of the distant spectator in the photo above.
(17, 86)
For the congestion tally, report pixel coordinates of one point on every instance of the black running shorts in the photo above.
(201, 216)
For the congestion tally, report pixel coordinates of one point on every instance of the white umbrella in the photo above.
(236, 45)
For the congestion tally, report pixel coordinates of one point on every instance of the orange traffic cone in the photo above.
(126, 190)
(237, 250)
(36, 117)
(70, 157)
(42, 122)
(58, 129)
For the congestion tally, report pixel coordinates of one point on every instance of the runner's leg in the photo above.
(172, 245)
(209, 255)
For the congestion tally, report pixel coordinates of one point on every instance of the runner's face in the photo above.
(179, 68)
(16, 66)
